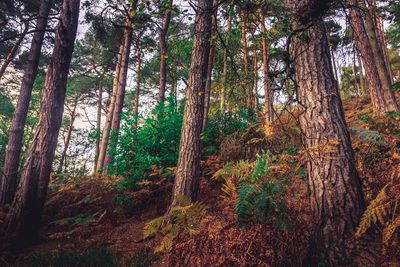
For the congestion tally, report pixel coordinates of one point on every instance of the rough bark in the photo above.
(13, 50)
(23, 223)
(11, 163)
(213, 50)
(335, 191)
(378, 82)
(269, 113)
(188, 169)
(249, 102)
(119, 99)
(164, 51)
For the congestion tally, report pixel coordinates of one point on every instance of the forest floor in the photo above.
(88, 215)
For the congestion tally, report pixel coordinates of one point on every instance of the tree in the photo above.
(336, 196)
(163, 48)
(16, 132)
(188, 168)
(23, 223)
(378, 77)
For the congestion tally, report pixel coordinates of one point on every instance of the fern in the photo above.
(369, 136)
(183, 217)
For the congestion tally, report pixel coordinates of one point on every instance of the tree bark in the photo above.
(119, 99)
(213, 49)
(164, 51)
(378, 80)
(363, 85)
(68, 137)
(138, 81)
(269, 112)
(11, 163)
(335, 190)
(13, 51)
(188, 169)
(255, 74)
(23, 222)
(249, 102)
(98, 123)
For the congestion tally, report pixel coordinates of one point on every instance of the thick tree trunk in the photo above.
(11, 163)
(213, 49)
(378, 82)
(68, 137)
(23, 223)
(269, 112)
(336, 196)
(164, 51)
(249, 102)
(13, 51)
(110, 112)
(188, 169)
(119, 100)
(225, 67)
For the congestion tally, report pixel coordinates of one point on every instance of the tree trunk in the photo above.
(269, 113)
(119, 99)
(336, 196)
(378, 80)
(13, 51)
(356, 87)
(138, 81)
(188, 169)
(362, 80)
(225, 67)
(23, 222)
(249, 102)
(213, 49)
(98, 123)
(11, 163)
(164, 51)
(68, 137)
(110, 112)
(255, 74)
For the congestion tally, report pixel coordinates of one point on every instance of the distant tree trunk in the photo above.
(225, 67)
(362, 79)
(255, 74)
(269, 113)
(164, 51)
(335, 190)
(13, 51)
(188, 169)
(23, 222)
(110, 112)
(336, 76)
(11, 163)
(119, 100)
(356, 87)
(138, 81)
(213, 49)
(378, 79)
(98, 123)
(68, 137)
(249, 102)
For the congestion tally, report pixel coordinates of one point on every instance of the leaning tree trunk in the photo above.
(13, 51)
(213, 49)
(245, 60)
(188, 169)
(119, 99)
(335, 190)
(110, 112)
(164, 51)
(23, 223)
(269, 112)
(11, 163)
(380, 89)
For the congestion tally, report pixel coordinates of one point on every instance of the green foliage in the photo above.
(256, 198)
(79, 219)
(185, 217)
(6, 112)
(369, 136)
(152, 145)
